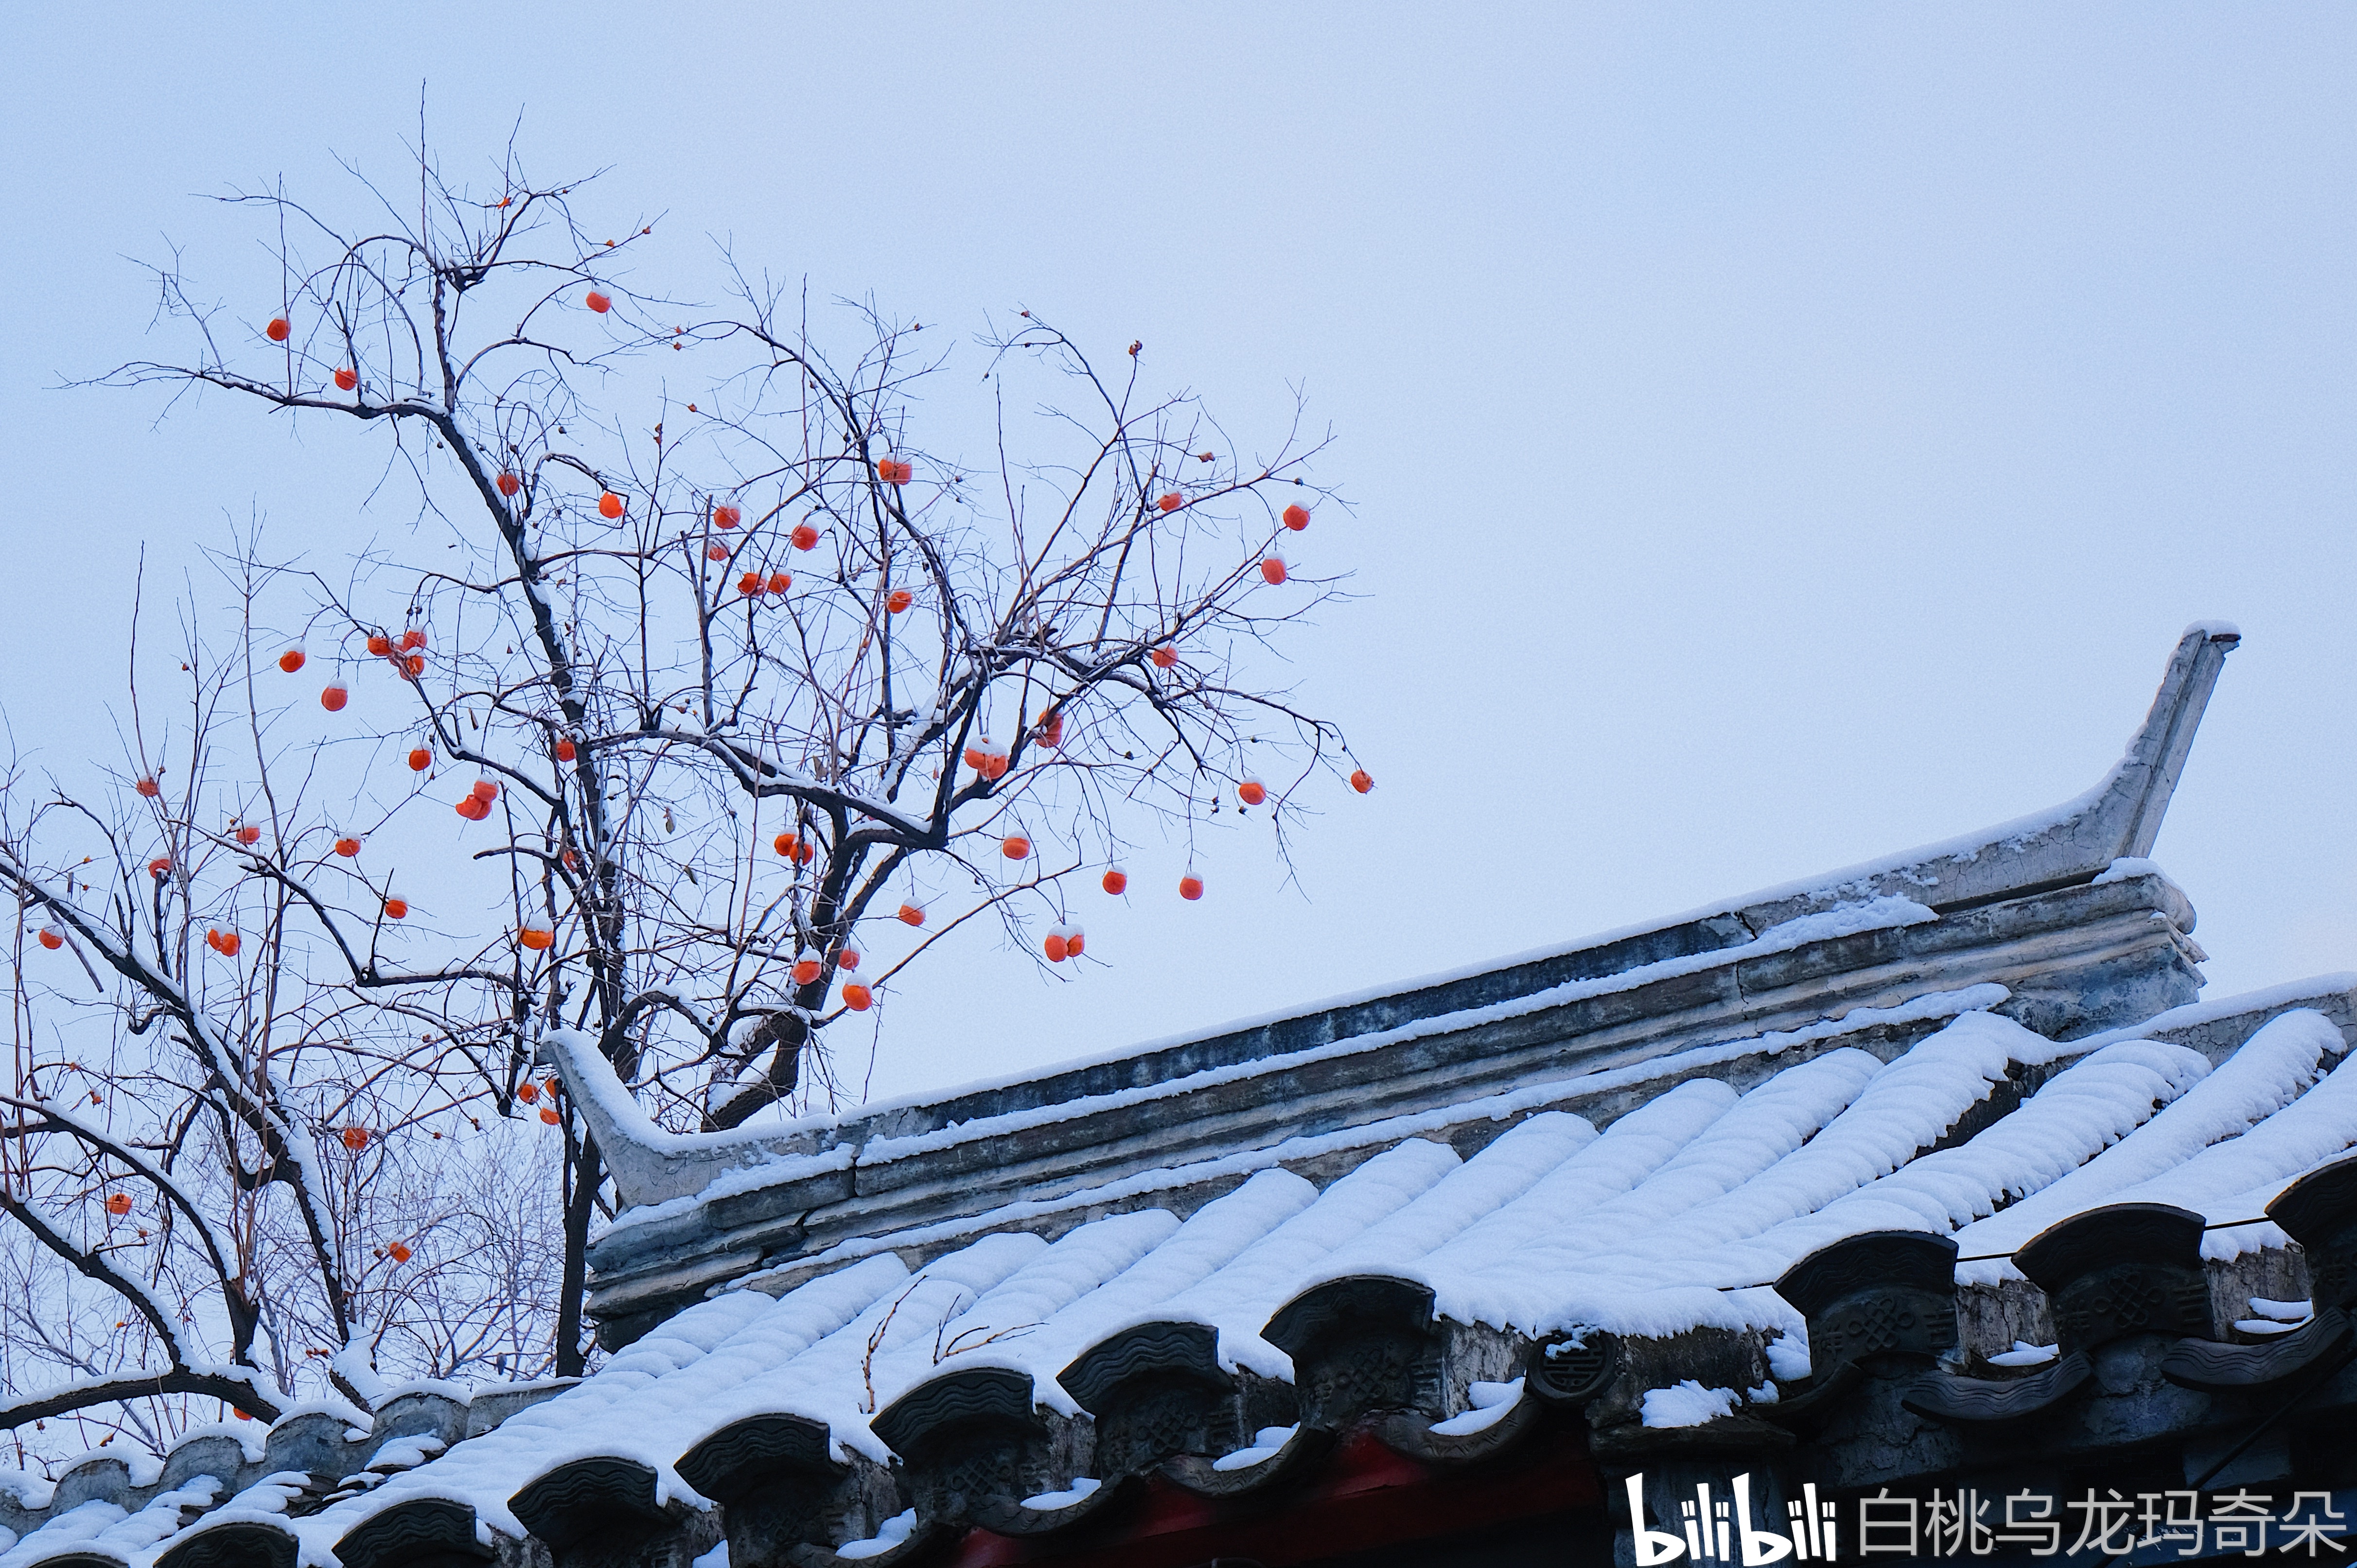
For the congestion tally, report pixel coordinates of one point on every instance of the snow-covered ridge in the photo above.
(2100, 832)
(746, 1163)
(123, 1501)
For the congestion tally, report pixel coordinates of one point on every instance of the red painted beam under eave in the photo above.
(1368, 1496)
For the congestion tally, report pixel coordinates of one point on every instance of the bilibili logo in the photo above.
(1720, 1529)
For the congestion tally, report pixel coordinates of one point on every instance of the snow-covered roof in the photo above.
(1458, 1214)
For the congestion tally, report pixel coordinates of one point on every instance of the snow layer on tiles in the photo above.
(2262, 1077)
(1594, 1171)
(845, 1377)
(1640, 1284)
(264, 1502)
(1687, 1404)
(999, 1325)
(1083, 1259)
(1491, 1404)
(1768, 1123)
(1230, 1266)
(1012, 1300)
(1470, 1196)
(1211, 1238)
(2222, 1182)
(1630, 1149)
(2091, 1105)
(104, 1526)
(76, 1528)
(1907, 1106)
(649, 1403)
(1239, 1298)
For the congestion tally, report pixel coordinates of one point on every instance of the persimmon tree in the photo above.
(224, 1161)
(724, 705)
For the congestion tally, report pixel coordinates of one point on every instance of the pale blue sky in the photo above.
(1780, 436)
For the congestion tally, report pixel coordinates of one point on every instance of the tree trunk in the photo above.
(584, 1171)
